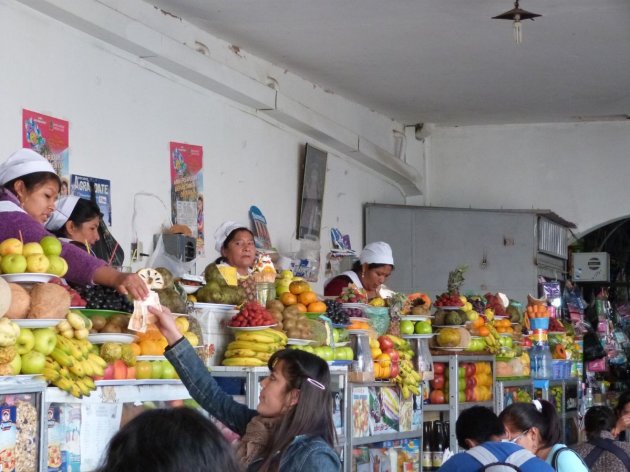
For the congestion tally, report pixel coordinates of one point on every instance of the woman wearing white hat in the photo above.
(374, 266)
(235, 244)
(28, 192)
(76, 220)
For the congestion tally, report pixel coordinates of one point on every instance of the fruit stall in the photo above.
(403, 368)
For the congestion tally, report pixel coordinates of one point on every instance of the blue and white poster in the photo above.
(83, 187)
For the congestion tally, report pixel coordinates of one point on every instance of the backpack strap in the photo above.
(482, 455)
(518, 458)
(604, 444)
(554, 458)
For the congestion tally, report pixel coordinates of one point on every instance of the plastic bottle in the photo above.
(541, 361)
(588, 398)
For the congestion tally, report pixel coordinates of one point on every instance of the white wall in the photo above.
(123, 113)
(579, 170)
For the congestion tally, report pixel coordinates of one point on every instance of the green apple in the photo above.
(506, 341)
(406, 327)
(33, 362)
(156, 372)
(32, 248)
(16, 365)
(11, 246)
(310, 349)
(144, 370)
(423, 327)
(37, 263)
(462, 396)
(45, 340)
(336, 335)
(13, 264)
(51, 245)
(168, 371)
(349, 353)
(58, 265)
(25, 341)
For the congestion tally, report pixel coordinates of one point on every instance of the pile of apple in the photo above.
(474, 382)
(385, 356)
(415, 327)
(36, 257)
(157, 369)
(328, 353)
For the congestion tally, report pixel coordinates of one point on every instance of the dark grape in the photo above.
(336, 313)
(99, 297)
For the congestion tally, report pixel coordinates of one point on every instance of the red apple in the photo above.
(385, 343)
(470, 394)
(438, 382)
(470, 369)
(438, 367)
(437, 397)
(394, 370)
(108, 372)
(120, 370)
(393, 354)
(471, 382)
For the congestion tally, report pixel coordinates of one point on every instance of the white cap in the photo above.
(65, 207)
(377, 253)
(223, 231)
(23, 162)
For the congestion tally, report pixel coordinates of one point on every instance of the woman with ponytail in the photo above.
(536, 427)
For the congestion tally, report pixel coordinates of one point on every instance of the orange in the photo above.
(484, 331)
(301, 307)
(299, 286)
(151, 348)
(316, 307)
(287, 298)
(135, 347)
(478, 323)
(306, 298)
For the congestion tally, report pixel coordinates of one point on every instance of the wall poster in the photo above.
(312, 200)
(48, 136)
(82, 186)
(186, 165)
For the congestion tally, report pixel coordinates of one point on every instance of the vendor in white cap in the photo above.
(235, 244)
(28, 192)
(375, 264)
(76, 220)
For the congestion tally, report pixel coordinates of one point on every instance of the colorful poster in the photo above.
(82, 186)
(48, 136)
(187, 189)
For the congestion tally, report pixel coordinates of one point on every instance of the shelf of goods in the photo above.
(467, 386)
(564, 395)
(379, 421)
(23, 423)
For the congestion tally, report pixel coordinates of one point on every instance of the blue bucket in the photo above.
(539, 323)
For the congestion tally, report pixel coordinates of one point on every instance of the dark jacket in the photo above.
(607, 462)
(305, 454)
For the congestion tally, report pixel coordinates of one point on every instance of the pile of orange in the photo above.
(537, 311)
(301, 295)
(152, 343)
(503, 326)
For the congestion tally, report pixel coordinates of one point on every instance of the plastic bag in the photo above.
(107, 248)
(161, 258)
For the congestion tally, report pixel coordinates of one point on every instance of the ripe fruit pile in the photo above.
(252, 314)
(254, 348)
(336, 313)
(99, 297)
(352, 294)
(35, 257)
(448, 299)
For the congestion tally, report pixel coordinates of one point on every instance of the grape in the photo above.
(99, 297)
(336, 313)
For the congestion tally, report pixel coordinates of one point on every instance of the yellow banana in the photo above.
(278, 335)
(97, 370)
(254, 346)
(97, 359)
(414, 389)
(62, 358)
(256, 336)
(63, 383)
(240, 353)
(77, 369)
(85, 390)
(243, 361)
(404, 390)
(75, 391)
(89, 382)
(263, 356)
(87, 368)
(51, 375)
(63, 344)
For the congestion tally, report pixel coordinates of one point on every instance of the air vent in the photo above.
(591, 267)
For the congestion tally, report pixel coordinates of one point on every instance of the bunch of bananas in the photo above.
(254, 348)
(408, 380)
(71, 366)
(76, 325)
(492, 339)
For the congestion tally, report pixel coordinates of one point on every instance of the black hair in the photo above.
(478, 423)
(597, 420)
(32, 181)
(357, 266)
(84, 210)
(228, 240)
(524, 416)
(623, 400)
(169, 440)
(312, 415)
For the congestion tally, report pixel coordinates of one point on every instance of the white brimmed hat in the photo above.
(223, 231)
(377, 253)
(23, 162)
(65, 207)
